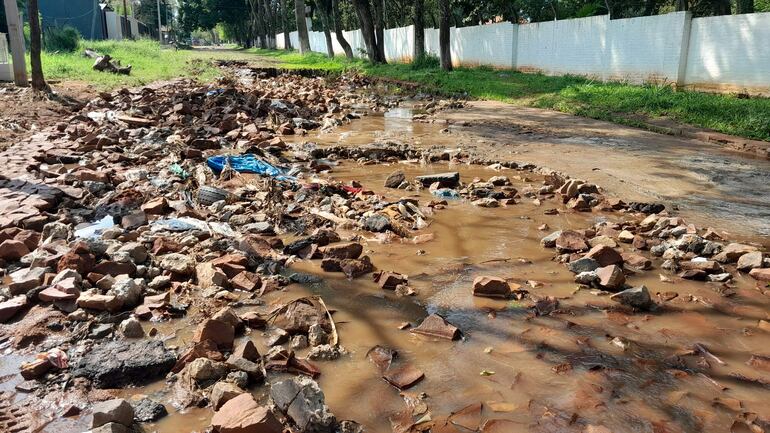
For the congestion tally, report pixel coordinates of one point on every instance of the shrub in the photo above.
(64, 39)
(428, 61)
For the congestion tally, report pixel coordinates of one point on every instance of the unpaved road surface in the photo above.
(405, 263)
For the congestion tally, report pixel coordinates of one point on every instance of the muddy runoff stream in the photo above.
(587, 367)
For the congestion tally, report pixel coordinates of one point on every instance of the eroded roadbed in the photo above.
(185, 258)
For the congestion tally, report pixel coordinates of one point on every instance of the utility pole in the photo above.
(17, 43)
(125, 18)
(160, 30)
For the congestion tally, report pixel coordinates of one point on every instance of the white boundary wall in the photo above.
(723, 53)
(6, 71)
(731, 51)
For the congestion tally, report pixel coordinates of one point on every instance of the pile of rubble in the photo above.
(179, 200)
(118, 220)
(599, 259)
(113, 228)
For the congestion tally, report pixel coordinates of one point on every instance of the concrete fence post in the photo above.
(16, 35)
(684, 51)
(515, 51)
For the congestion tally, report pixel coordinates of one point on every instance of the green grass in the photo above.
(614, 101)
(150, 63)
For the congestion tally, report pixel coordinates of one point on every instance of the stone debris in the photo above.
(403, 377)
(303, 402)
(116, 364)
(242, 414)
(436, 326)
(113, 411)
(119, 219)
(148, 410)
(636, 297)
(491, 287)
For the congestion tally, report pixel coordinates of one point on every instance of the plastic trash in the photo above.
(214, 92)
(179, 171)
(57, 357)
(95, 229)
(446, 193)
(184, 224)
(248, 163)
(208, 195)
(102, 116)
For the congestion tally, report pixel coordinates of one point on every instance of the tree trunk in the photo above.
(271, 23)
(338, 30)
(419, 29)
(367, 28)
(304, 37)
(681, 5)
(38, 81)
(324, 10)
(745, 6)
(443, 36)
(285, 19)
(329, 43)
(379, 29)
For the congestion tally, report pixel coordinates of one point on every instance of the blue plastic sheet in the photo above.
(247, 164)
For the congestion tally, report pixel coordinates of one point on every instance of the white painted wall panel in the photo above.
(730, 51)
(317, 42)
(356, 40)
(491, 44)
(645, 49)
(431, 42)
(399, 44)
(561, 47)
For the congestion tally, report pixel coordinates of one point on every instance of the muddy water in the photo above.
(709, 185)
(619, 376)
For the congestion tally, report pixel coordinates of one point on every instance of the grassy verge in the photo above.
(617, 102)
(150, 63)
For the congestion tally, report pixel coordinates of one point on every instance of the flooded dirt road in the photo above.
(554, 356)
(620, 372)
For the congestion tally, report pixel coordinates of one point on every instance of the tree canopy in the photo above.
(240, 18)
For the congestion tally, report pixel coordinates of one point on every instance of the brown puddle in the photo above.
(627, 388)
